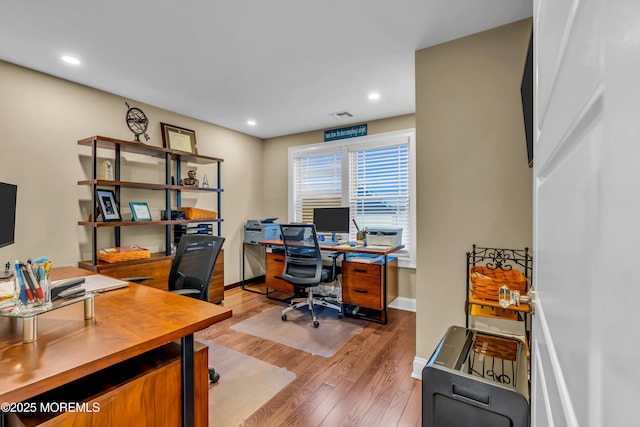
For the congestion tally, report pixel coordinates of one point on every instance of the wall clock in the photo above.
(137, 122)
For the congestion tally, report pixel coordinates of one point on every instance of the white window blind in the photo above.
(318, 183)
(379, 189)
(373, 175)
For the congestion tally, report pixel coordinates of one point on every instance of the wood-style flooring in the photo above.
(366, 383)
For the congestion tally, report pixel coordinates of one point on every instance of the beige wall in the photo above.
(275, 180)
(42, 117)
(474, 185)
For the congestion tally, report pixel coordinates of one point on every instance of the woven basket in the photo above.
(501, 348)
(125, 253)
(485, 282)
(196, 213)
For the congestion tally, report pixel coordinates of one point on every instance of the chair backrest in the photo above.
(303, 259)
(193, 264)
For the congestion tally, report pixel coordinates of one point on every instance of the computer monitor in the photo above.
(8, 193)
(331, 220)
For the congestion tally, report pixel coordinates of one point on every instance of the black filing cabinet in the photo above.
(476, 378)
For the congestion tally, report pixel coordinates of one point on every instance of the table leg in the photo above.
(384, 290)
(243, 282)
(29, 329)
(89, 309)
(188, 388)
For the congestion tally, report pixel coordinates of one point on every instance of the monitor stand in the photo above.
(334, 240)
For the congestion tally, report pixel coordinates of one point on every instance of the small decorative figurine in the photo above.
(6, 273)
(205, 181)
(192, 180)
(107, 170)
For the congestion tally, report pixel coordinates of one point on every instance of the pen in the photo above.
(354, 223)
(36, 285)
(23, 288)
(31, 290)
(43, 281)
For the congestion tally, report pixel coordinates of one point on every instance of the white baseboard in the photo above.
(418, 366)
(402, 303)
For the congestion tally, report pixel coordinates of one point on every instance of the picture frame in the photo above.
(140, 211)
(107, 205)
(178, 138)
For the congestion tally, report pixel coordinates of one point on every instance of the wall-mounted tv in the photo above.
(526, 90)
(8, 193)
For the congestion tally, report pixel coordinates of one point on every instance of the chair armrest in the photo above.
(138, 279)
(186, 291)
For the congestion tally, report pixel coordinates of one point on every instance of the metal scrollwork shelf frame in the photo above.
(498, 258)
(504, 259)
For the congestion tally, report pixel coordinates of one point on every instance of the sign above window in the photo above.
(346, 132)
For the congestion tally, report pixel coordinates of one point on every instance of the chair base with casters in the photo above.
(213, 375)
(311, 302)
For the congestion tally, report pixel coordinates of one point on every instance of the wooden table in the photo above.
(128, 322)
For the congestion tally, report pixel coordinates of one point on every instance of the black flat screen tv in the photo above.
(526, 90)
(8, 197)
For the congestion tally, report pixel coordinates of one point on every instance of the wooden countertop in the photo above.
(128, 322)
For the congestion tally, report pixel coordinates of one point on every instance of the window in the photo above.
(373, 175)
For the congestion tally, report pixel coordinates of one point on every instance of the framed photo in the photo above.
(177, 138)
(140, 211)
(107, 205)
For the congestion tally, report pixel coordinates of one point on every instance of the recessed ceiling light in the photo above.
(374, 96)
(70, 60)
(251, 122)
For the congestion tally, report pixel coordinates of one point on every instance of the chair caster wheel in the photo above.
(284, 317)
(213, 376)
(316, 324)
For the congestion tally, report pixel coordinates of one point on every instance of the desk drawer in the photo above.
(362, 285)
(273, 272)
(350, 268)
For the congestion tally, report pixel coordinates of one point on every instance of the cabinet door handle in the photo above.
(359, 270)
(362, 291)
(278, 260)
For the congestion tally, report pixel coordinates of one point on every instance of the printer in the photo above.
(389, 237)
(256, 230)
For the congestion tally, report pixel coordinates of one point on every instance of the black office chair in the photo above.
(304, 269)
(191, 270)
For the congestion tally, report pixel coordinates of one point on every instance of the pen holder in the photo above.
(362, 236)
(29, 297)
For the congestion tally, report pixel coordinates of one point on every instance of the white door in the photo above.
(586, 344)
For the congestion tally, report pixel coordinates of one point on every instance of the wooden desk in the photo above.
(128, 322)
(356, 296)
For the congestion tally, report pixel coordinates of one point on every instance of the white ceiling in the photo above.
(287, 64)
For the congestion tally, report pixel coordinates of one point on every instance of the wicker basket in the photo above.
(124, 253)
(500, 348)
(485, 282)
(196, 213)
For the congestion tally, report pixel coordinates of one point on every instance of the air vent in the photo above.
(342, 115)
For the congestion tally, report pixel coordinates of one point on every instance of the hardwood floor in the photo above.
(366, 383)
